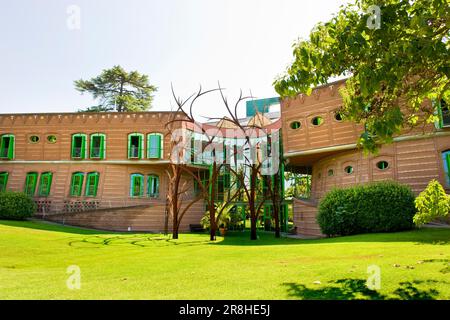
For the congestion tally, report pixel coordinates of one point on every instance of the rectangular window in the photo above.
(446, 161)
(92, 184)
(135, 146)
(137, 185)
(153, 186)
(45, 184)
(30, 183)
(204, 177)
(78, 146)
(154, 147)
(97, 146)
(76, 185)
(3, 181)
(7, 147)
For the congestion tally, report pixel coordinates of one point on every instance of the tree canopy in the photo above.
(393, 52)
(118, 90)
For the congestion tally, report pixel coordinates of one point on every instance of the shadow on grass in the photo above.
(356, 289)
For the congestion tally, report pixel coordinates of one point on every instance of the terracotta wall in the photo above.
(138, 219)
(414, 163)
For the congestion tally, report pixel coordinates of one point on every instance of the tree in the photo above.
(395, 53)
(431, 204)
(118, 90)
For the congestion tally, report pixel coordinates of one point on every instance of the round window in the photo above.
(317, 121)
(34, 139)
(295, 125)
(51, 138)
(348, 169)
(382, 165)
(338, 116)
(330, 172)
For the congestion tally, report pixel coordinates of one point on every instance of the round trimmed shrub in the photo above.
(375, 207)
(16, 206)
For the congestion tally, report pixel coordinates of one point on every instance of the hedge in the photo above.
(16, 206)
(375, 207)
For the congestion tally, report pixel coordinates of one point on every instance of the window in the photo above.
(135, 145)
(79, 146)
(348, 169)
(153, 186)
(51, 138)
(76, 185)
(446, 162)
(317, 121)
(30, 183)
(330, 172)
(45, 184)
(154, 146)
(7, 146)
(34, 139)
(3, 181)
(382, 165)
(444, 114)
(92, 184)
(338, 116)
(97, 146)
(295, 125)
(137, 185)
(204, 177)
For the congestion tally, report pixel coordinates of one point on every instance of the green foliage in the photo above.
(16, 206)
(375, 207)
(406, 59)
(299, 185)
(118, 90)
(432, 203)
(223, 216)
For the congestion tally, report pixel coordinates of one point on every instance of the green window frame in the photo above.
(446, 162)
(97, 146)
(135, 145)
(30, 183)
(92, 179)
(137, 185)
(45, 184)
(3, 181)
(152, 186)
(7, 146)
(443, 112)
(76, 184)
(154, 145)
(78, 146)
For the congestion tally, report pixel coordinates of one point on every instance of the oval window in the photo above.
(34, 139)
(382, 165)
(295, 125)
(348, 169)
(317, 121)
(338, 116)
(51, 138)
(330, 172)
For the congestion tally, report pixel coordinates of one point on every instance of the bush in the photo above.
(431, 204)
(16, 206)
(375, 207)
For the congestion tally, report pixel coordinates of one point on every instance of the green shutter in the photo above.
(92, 184)
(136, 185)
(45, 184)
(82, 153)
(76, 185)
(30, 183)
(154, 146)
(140, 147)
(3, 181)
(441, 118)
(448, 165)
(11, 148)
(100, 138)
(102, 146)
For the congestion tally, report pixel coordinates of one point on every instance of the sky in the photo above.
(243, 44)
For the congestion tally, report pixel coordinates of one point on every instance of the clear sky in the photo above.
(243, 44)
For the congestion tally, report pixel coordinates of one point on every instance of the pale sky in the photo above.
(243, 44)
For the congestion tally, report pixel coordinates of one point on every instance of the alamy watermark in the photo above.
(73, 282)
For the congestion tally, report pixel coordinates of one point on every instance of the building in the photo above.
(109, 170)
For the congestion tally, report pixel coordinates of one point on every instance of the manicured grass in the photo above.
(35, 256)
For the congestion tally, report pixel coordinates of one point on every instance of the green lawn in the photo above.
(34, 257)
